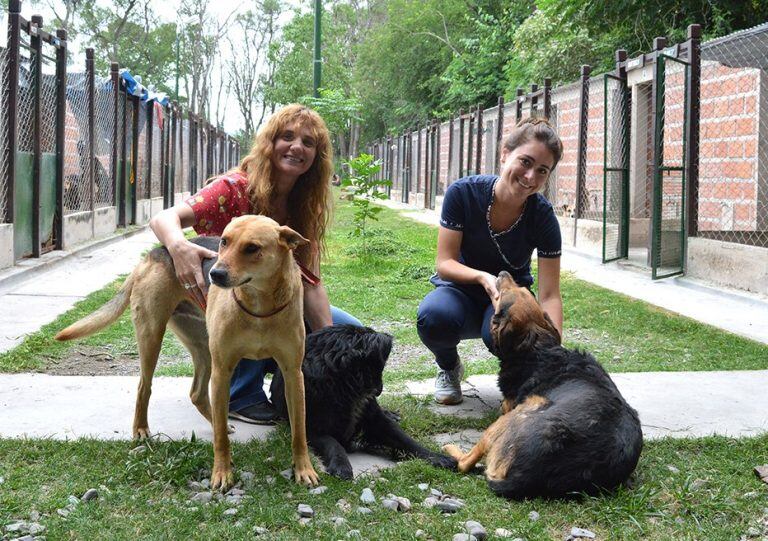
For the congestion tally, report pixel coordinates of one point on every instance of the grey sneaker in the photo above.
(448, 386)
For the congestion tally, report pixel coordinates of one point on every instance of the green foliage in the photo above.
(339, 113)
(364, 188)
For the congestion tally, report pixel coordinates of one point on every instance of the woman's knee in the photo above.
(438, 316)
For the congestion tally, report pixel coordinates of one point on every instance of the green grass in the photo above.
(683, 489)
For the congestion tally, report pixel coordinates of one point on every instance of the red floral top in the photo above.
(216, 204)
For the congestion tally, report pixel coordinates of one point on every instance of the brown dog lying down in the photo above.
(255, 311)
(343, 367)
(566, 429)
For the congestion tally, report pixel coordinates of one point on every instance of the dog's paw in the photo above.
(306, 475)
(453, 451)
(222, 479)
(442, 461)
(342, 471)
(141, 433)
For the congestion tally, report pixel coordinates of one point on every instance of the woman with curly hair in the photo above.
(489, 224)
(285, 176)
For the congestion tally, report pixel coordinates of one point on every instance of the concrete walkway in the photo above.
(39, 405)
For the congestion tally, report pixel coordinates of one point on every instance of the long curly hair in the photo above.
(309, 200)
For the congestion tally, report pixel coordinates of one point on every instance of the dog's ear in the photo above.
(290, 238)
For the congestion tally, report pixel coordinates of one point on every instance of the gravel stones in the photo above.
(202, 497)
(305, 511)
(533, 516)
(367, 496)
(386, 503)
(580, 533)
(476, 530)
(318, 490)
(90, 494)
(449, 505)
(464, 537)
(762, 472)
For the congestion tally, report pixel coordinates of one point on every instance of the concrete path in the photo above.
(38, 291)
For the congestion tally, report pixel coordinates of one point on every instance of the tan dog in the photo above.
(255, 275)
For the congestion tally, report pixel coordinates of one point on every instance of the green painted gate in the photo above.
(23, 234)
(668, 229)
(616, 115)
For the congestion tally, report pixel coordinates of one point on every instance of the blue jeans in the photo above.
(246, 386)
(450, 314)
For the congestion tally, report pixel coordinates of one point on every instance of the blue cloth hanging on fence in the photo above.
(135, 88)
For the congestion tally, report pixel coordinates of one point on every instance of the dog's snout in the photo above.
(219, 276)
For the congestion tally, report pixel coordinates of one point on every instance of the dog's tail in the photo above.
(103, 317)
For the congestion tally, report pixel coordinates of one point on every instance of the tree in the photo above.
(256, 32)
(340, 114)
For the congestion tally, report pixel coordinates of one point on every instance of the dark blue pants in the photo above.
(246, 387)
(449, 314)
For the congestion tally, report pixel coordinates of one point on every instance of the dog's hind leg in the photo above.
(188, 324)
(468, 460)
(333, 455)
(151, 308)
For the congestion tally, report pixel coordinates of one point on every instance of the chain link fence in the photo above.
(77, 180)
(104, 124)
(733, 138)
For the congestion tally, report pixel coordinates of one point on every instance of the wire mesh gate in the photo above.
(669, 191)
(616, 114)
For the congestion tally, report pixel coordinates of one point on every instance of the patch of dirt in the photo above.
(93, 361)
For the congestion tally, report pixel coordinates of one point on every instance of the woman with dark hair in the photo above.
(285, 176)
(488, 224)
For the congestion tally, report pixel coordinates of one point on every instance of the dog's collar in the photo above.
(254, 314)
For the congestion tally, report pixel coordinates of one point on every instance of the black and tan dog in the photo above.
(565, 429)
(255, 311)
(343, 367)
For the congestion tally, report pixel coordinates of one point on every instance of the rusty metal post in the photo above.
(547, 97)
(499, 133)
(581, 158)
(12, 80)
(90, 81)
(36, 44)
(150, 114)
(461, 145)
(61, 112)
(113, 70)
(480, 131)
(692, 135)
(519, 98)
(470, 140)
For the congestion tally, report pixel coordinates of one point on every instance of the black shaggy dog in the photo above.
(342, 369)
(566, 429)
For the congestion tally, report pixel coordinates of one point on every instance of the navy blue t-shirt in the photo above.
(466, 208)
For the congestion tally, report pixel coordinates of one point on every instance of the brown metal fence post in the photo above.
(692, 136)
(12, 80)
(461, 145)
(480, 131)
(547, 97)
(90, 81)
(470, 139)
(450, 152)
(519, 104)
(135, 157)
(61, 111)
(581, 158)
(113, 72)
(36, 44)
(418, 158)
(534, 111)
(148, 142)
(499, 133)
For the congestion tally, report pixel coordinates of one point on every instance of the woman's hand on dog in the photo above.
(187, 260)
(488, 281)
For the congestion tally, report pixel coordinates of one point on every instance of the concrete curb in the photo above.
(27, 269)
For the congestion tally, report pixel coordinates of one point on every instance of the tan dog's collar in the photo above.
(244, 309)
